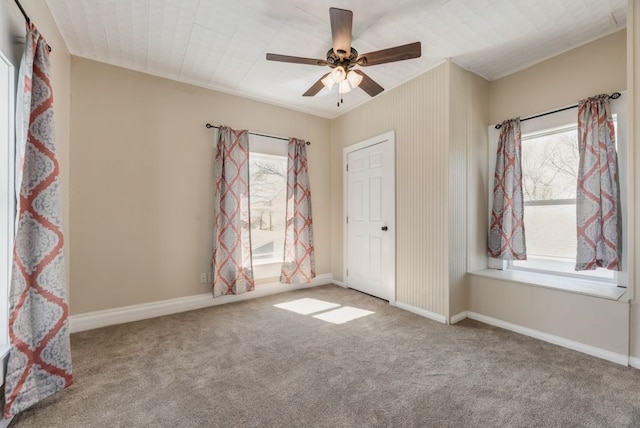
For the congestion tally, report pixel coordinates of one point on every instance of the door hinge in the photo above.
(347, 167)
(347, 219)
(347, 272)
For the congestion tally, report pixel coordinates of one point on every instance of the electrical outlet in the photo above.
(203, 278)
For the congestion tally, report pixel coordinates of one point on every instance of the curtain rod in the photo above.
(613, 96)
(26, 17)
(308, 143)
(23, 12)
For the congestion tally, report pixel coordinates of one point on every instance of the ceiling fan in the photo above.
(343, 57)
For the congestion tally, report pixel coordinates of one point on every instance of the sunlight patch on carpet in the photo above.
(343, 315)
(306, 306)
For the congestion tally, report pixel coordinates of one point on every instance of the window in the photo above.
(549, 179)
(7, 198)
(549, 175)
(268, 204)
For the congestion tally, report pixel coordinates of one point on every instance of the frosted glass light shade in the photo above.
(328, 81)
(338, 74)
(354, 79)
(344, 87)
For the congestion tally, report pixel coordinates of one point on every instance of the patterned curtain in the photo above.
(299, 264)
(232, 265)
(506, 233)
(40, 358)
(597, 200)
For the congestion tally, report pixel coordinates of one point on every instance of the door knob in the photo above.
(385, 228)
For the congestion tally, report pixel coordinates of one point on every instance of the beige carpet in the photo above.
(253, 364)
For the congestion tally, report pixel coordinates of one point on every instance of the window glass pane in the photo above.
(551, 231)
(551, 241)
(268, 187)
(550, 165)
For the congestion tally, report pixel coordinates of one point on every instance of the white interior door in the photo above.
(370, 217)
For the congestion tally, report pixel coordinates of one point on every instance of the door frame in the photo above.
(388, 137)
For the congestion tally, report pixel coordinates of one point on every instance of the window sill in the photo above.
(587, 287)
(265, 262)
(266, 271)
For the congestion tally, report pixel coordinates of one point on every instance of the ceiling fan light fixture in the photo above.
(344, 87)
(338, 74)
(342, 57)
(354, 78)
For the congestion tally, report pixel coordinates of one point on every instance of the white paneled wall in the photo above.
(431, 160)
(457, 244)
(421, 193)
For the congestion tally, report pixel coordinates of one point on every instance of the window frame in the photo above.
(268, 147)
(551, 123)
(7, 191)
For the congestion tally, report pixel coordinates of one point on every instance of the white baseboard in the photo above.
(556, 340)
(457, 318)
(422, 312)
(97, 319)
(338, 283)
(634, 362)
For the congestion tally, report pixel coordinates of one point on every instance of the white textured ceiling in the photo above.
(222, 44)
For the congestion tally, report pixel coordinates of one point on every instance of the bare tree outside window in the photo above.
(550, 166)
(268, 193)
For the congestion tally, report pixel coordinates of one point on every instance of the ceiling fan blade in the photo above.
(315, 88)
(369, 85)
(341, 24)
(295, 59)
(398, 53)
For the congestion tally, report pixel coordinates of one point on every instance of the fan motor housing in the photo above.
(334, 60)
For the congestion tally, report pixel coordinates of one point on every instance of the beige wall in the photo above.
(12, 32)
(142, 182)
(557, 82)
(596, 322)
(562, 80)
